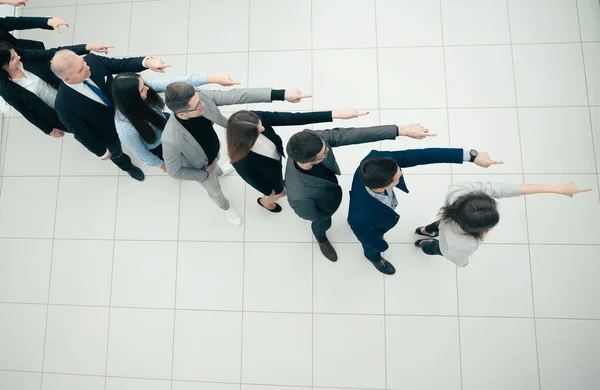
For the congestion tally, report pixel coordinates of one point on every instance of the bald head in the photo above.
(69, 67)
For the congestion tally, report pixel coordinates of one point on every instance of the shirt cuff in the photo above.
(278, 94)
(105, 154)
(466, 155)
(144, 61)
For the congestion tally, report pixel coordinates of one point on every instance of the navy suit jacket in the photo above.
(370, 219)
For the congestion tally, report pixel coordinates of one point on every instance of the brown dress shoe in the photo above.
(328, 251)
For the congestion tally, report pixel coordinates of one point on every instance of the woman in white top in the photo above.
(28, 84)
(255, 150)
(139, 116)
(471, 212)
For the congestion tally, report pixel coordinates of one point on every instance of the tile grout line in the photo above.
(130, 23)
(312, 245)
(51, 262)
(245, 221)
(175, 295)
(537, 355)
(194, 381)
(385, 338)
(282, 242)
(587, 92)
(112, 275)
(343, 174)
(187, 49)
(302, 312)
(460, 357)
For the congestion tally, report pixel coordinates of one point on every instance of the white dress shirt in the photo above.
(87, 91)
(37, 86)
(266, 147)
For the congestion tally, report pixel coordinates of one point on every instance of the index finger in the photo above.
(497, 162)
(583, 190)
(305, 96)
(108, 46)
(235, 83)
(431, 135)
(362, 113)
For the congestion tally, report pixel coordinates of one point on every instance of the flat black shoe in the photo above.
(418, 231)
(136, 173)
(277, 208)
(419, 242)
(384, 266)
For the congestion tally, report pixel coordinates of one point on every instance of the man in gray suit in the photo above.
(310, 175)
(190, 143)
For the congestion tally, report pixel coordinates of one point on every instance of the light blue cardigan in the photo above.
(129, 135)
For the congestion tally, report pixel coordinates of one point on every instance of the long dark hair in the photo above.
(5, 54)
(140, 112)
(476, 213)
(242, 133)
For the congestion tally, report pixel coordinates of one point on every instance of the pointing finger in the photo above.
(362, 113)
(584, 190)
(430, 134)
(305, 96)
(497, 162)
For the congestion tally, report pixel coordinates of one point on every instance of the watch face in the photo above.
(474, 153)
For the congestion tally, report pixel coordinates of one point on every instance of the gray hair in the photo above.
(61, 62)
(178, 95)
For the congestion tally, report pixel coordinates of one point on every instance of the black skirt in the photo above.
(262, 173)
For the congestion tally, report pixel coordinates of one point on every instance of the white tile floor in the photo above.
(110, 284)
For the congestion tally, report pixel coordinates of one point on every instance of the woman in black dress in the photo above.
(255, 150)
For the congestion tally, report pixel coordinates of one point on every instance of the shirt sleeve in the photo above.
(133, 141)
(194, 80)
(278, 94)
(495, 190)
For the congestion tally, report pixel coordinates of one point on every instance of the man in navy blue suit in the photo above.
(372, 198)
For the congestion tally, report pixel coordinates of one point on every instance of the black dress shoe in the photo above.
(136, 173)
(328, 251)
(384, 266)
(277, 208)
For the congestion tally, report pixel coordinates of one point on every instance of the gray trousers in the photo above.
(213, 187)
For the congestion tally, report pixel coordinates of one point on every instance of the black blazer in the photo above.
(27, 103)
(370, 219)
(23, 23)
(264, 173)
(93, 123)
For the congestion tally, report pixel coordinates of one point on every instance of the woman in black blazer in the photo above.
(13, 66)
(255, 150)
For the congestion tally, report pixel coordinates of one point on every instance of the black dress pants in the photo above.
(119, 158)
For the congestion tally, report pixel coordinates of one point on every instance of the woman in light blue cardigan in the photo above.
(139, 116)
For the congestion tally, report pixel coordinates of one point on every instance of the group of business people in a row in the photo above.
(60, 91)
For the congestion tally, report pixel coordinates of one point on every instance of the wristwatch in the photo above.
(473, 153)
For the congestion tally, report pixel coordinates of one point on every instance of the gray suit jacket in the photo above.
(313, 198)
(183, 156)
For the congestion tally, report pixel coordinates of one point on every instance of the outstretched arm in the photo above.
(305, 118)
(569, 189)
(16, 3)
(254, 95)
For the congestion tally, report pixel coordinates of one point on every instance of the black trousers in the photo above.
(119, 158)
(320, 227)
(432, 248)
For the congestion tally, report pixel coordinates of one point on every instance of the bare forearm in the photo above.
(530, 189)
